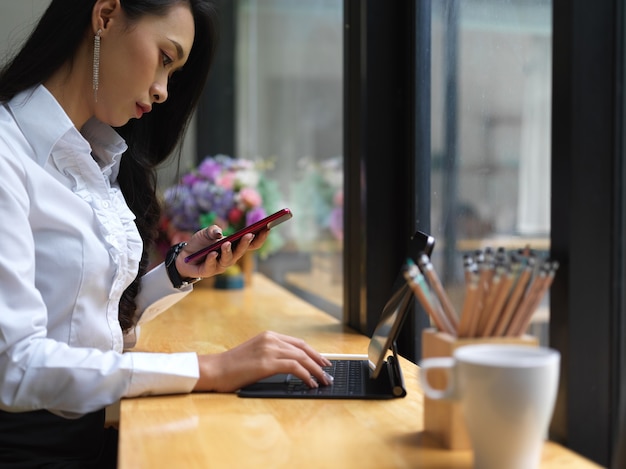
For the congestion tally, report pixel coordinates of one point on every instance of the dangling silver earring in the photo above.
(96, 64)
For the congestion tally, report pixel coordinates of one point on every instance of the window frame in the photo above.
(383, 204)
(215, 116)
(587, 115)
(387, 114)
(587, 224)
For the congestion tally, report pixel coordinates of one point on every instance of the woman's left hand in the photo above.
(212, 265)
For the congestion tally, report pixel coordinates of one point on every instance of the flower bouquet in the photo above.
(318, 200)
(230, 192)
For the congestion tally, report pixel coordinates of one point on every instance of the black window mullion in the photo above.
(586, 224)
(380, 142)
(215, 116)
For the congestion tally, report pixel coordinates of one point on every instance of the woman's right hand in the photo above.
(264, 355)
(228, 256)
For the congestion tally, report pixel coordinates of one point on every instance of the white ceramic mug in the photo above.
(507, 393)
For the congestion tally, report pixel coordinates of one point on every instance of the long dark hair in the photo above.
(150, 139)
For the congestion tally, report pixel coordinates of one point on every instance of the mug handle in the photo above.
(442, 363)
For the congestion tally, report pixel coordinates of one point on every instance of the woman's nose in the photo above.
(159, 91)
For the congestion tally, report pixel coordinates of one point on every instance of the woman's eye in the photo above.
(166, 59)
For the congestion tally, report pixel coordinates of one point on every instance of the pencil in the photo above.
(513, 300)
(469, 316)
(489, 267)
(433, 279)
(422, 292)
(468, 265)
(500, 299)
(490, 298)
(534, 288)
(486, 275)
(545, 286)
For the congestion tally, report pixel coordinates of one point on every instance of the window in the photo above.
(451, 111)
(490, 119)
(289, 62)
(586, 177)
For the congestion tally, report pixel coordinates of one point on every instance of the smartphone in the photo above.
(270, 221)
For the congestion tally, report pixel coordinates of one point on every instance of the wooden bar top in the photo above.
(225, 431)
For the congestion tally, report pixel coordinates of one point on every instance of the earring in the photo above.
(96, 64)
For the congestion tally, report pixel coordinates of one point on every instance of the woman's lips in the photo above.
(142, 109)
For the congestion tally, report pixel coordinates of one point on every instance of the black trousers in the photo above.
(39, 439)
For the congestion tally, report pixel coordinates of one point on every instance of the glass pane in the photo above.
(491, 100)
(289, 67)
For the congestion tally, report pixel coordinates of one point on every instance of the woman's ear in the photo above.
(103, 13)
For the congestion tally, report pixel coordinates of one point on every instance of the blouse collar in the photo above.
(32, 106)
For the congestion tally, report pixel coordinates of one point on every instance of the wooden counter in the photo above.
(225, 431)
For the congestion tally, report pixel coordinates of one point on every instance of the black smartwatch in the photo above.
(172, 271)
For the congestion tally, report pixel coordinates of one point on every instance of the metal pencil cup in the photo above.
(444, 419)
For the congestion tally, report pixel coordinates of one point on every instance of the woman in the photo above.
(98, 96)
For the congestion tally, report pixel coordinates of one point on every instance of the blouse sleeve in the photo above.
(155, 296)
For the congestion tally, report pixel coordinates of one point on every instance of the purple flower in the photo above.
(336, 222)
(189, 179)
(213, 192)
(255, 214)
(210, 169)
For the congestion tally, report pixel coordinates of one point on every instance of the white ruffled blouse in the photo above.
(69, 247)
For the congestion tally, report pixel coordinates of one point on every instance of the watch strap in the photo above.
(172, 271)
